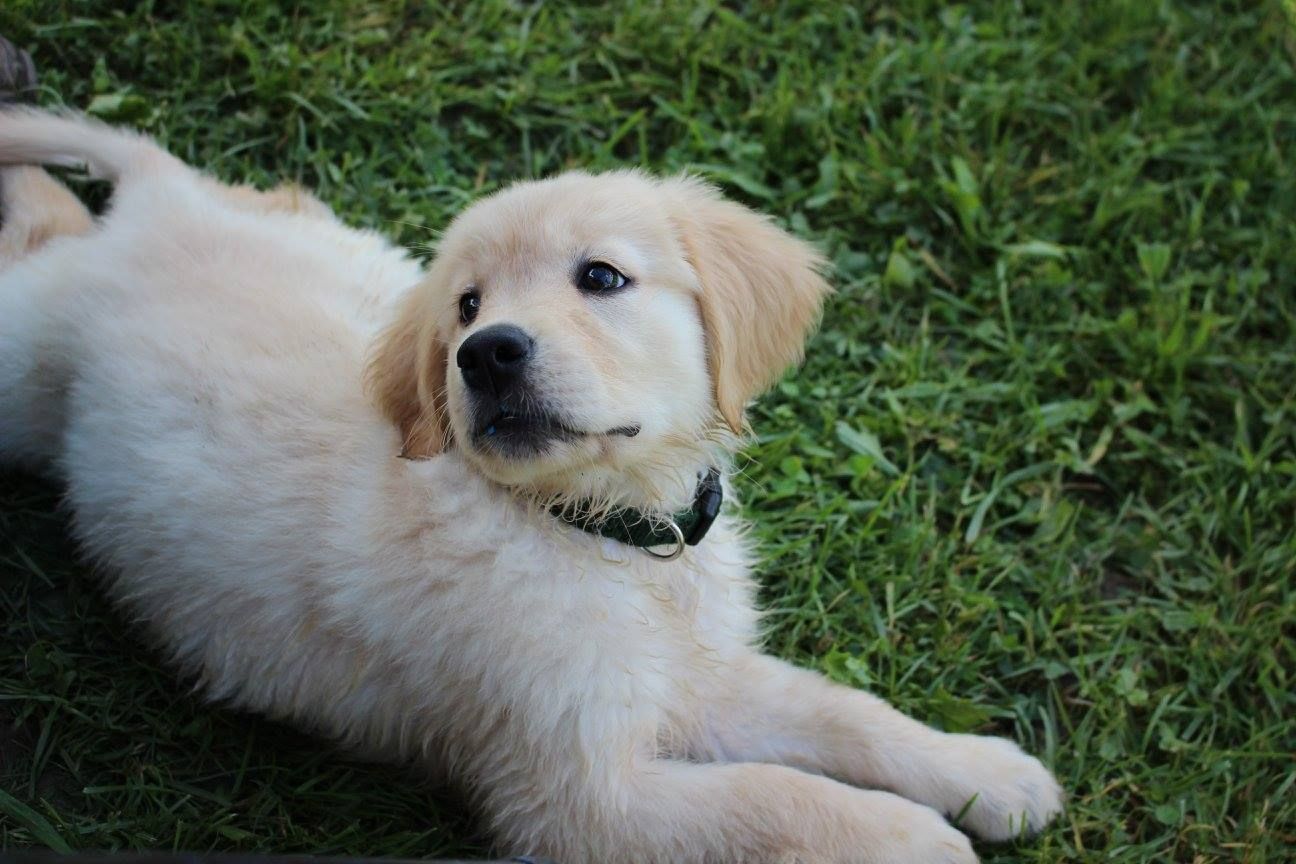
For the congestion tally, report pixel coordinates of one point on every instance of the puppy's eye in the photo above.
(469, 306)
(596, 277)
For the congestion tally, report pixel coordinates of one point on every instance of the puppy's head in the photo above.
(588, 335)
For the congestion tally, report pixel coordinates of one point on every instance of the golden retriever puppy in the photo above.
(534, 600)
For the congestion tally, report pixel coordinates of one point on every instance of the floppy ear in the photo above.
(407, 377)
(760, 292)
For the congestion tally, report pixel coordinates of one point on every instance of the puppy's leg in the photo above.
(667, 812)
(34, 210)
(775, 712)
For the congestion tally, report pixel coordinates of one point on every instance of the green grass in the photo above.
(1037, 478)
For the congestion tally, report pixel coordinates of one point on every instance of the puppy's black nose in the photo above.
(493, 359)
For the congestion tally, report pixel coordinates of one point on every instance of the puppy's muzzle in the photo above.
(506, 416)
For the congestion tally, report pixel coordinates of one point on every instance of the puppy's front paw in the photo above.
(1010, 793)
(894, 830)
(938, 842)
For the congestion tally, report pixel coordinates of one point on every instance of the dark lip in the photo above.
(508, 424)
(518, 434)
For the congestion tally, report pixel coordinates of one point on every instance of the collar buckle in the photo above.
(706, 506)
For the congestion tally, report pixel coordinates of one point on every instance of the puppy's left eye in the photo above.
(596, 277)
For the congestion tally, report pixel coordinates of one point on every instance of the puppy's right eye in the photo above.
(469, 306)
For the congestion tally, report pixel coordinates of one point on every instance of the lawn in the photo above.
(1037, 477)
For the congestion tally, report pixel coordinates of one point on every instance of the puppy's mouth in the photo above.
(520, 434)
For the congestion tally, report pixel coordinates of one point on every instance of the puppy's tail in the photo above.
(31, 137)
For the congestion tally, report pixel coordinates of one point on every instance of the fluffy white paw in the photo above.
(908, 833)
(1010, 793)
(940, 843)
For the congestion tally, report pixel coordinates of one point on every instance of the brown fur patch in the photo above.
(407, 377)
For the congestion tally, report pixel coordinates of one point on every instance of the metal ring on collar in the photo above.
(679, 544)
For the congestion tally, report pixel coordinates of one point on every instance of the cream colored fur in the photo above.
(193, 365)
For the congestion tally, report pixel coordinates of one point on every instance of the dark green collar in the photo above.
(636, 528)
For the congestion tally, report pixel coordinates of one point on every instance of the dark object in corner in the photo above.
(17, 74)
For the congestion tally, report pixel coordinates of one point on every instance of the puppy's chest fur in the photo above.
(589, 609)
(496, 611)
